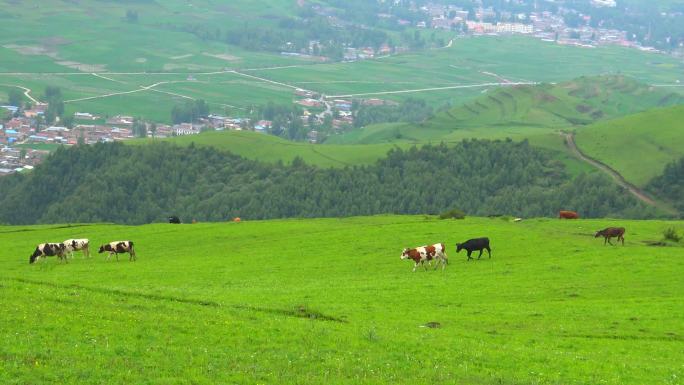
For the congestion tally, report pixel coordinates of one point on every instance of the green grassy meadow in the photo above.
(656, 135)
(329, 301)
(271, 149)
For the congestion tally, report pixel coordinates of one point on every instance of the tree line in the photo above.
(411, 110)
(670, 185)
(113, 182)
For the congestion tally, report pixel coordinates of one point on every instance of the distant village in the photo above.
(544, 25)
(24, 142)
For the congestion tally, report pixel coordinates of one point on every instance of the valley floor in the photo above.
(329, 301)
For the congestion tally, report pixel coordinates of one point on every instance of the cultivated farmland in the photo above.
(329, 301)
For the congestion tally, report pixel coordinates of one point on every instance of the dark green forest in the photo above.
(670, 185)
(140, 184)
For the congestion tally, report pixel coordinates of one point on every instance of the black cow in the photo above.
(49, 250)
(174, 220)
(473, 245)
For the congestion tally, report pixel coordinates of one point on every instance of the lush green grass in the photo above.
(474, 60)
(156, 42)
(637, 146)
(268, 148)
(329, 301)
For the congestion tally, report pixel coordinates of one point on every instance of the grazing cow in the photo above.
(563, 214)
(237, 219)
(420, 255)
(71, 245)
(119, 247)
(175, 220)
(48, 250)
(477, 244)
(612, 232)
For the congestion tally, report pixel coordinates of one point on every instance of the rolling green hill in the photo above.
(272, 149)
(537, 113)
(525, 110)
(637, 146)
(328, 301)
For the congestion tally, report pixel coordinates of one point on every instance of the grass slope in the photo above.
(271, 149)
(329, 301)
(534, 113)
(637, 146)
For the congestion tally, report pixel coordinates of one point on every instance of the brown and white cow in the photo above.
(423, 254)
(565, 214)
(45, 250)
(72, 245)
(119, 247)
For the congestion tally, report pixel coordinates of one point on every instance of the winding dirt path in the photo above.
(619, 179)
(27, 92)
(482, 85)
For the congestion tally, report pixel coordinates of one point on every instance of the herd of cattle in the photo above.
(66, 249)
(437, 252)
(419, 255)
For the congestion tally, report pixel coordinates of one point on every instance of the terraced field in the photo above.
(329, 301)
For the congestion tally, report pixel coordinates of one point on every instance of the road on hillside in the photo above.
(637, 192)
(27, 91)
(481, 85)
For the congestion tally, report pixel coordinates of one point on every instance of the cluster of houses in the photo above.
(19, 159)
(25, 141)
(545, 25)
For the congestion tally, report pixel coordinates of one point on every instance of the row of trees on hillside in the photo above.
(140, 184)
(670, 185)
(411, 110)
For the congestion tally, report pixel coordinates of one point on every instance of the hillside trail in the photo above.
(619, 179)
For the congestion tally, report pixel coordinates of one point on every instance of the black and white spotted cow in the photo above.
(72, 245)
(45, 250)
(119, 247)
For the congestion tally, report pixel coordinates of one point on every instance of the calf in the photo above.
(420, 255)
(48, 250)
(71, 245)
(119, 247)
(563, 214)
(174, 220)
(612, 232)
(475, 245)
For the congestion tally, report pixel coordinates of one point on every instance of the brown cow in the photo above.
(612, 232)
(563, 214)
